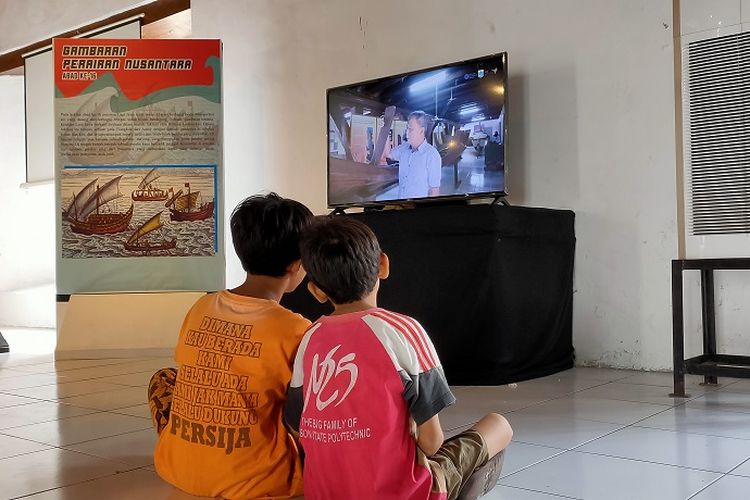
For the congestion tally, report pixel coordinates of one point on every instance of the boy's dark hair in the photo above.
(342, 257)
(266, 231)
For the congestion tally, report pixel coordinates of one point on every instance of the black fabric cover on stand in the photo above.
(492, 285)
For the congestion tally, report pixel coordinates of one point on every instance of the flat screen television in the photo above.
(434, 134)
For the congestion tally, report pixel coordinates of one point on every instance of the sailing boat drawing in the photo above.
(90, 219)
(140, 240)
(94, 227)
(189, 207)
(76, 204)
(148, 190)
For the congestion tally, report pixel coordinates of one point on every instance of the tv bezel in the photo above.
(425, 199)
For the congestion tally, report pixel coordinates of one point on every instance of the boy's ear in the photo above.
(294, 267)
(316, 292)
(384, 269)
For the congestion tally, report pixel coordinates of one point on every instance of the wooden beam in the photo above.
(151, 12)
(390, 112)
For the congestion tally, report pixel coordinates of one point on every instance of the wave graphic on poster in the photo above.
(118, 103)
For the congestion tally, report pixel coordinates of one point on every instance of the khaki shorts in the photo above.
(456, 460)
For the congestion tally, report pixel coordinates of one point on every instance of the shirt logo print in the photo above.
(325, 371)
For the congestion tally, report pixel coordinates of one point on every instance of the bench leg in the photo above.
(678, 334)
(709, 320)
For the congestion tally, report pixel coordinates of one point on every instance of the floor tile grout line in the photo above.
(124, 361)
(48, 447)
(63, 446)
(70, 380)
(108, 410)
(686, 467)
(567, 394)
(569, 449)
(553, 495)
(8, 391)
(538, 403)
(13, 373)
(626, 426)
(109, 389)
(632, 424)
(129, 415)
(70, 373)
(557, 448)
(152, 371)
(560, 452)
(31, 402)
(747, 460)
(58, 401)
(711, 483)
(589, 441)
(664, 408)
(687, 432)
(4, 434)
(91, 412)
(93, 455)
(25, 364)
(77, 442)
(59, 371)
(670, 388)
(687, 405)
(76, 483)
(673, 405)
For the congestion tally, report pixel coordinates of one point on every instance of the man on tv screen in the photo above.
(418, 161)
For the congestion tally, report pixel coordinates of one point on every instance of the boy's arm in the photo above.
(426, 390)
(430, 436)
(293, 407)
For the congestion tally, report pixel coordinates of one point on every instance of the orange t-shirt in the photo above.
(225, 435)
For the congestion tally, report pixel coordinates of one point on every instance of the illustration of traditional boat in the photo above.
(148, 190)
(76, 204)
(140, 242)
(89, 219)
(189, 207)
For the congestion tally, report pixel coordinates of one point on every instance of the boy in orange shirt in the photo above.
(219, 416)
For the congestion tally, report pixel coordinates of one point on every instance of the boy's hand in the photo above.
(430, 436)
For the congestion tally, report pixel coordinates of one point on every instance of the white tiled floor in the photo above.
(80, 430)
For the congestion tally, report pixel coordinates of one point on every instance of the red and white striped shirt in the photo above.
(360, 383)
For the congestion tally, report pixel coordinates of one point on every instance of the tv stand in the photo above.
(337, 211)
(492, 286)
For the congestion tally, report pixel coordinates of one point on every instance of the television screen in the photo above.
(430, 134)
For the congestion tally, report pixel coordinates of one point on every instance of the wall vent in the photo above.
(717, 136)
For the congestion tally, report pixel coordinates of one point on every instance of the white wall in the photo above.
(702, 20)
(27, 231)
(23, 22)
(591, 125)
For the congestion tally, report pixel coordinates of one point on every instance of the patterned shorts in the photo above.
(160, 390)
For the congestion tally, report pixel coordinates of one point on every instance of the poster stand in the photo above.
(139, 191)
(121, 325)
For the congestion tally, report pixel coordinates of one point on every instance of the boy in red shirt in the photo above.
(367, 388)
